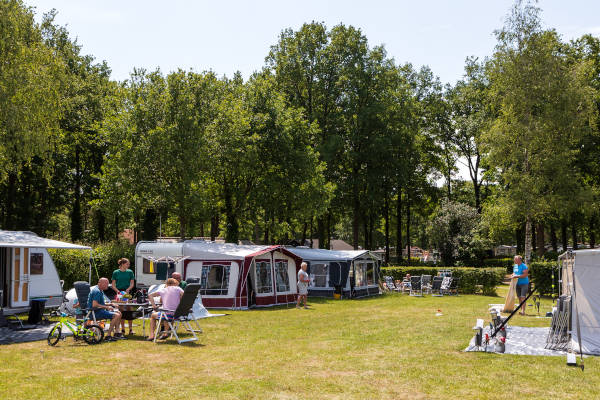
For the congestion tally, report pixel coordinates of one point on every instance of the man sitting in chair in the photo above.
(171, 296)
(103, 309)
(177, 276)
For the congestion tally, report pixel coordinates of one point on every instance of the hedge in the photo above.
(73, 265)
(541, 276)
(469, 277)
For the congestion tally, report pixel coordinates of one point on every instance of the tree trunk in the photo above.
(266, 236)
(100, 225)
(355, 215)
(593, 231)
(311, 232)
(528, 240)
(11, 194)
(256, 233)
(214, 227)
(366, 233)
(399, 227)
(182, 225)
(328, 230)
(408, 244)
(574, 234)
(477, 190)
(231, 222)
(541, 242)
(371, 244)
(533, 238)
(386, 216)
(150, 225)
(553, 238)
(304, 228)
(321, 231)
(563, 235)
(117, 226)
(76, 211)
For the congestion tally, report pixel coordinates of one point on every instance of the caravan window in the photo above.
(36, 264)
(282, 277)
(360, 272)
(263, 277)
(319, 275)
(214, 280)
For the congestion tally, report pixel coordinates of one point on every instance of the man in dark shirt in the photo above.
(177, 277)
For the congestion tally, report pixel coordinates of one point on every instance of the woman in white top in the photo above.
(303, 281)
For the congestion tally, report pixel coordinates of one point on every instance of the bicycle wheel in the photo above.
(93, 334)
(54, 335)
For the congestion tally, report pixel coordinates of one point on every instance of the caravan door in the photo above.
(19, 277)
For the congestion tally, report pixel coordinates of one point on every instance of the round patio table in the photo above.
(131, 310)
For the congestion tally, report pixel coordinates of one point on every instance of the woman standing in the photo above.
(123, 281)
(303, 281)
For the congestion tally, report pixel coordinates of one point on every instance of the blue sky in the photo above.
(227, 36)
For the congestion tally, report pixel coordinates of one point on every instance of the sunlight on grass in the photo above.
(392, 346)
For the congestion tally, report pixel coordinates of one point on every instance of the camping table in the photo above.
(125, 308)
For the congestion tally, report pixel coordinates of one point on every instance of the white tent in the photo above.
(27, 271)
(583, 283)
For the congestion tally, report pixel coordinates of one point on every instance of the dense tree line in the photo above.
(331, 139)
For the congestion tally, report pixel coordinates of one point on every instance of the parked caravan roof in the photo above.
(30, 239)
(327, 255)
(216, 251)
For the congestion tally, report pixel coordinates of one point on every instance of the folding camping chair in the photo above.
(415, 286)
(82, 290)
(436, 286)
(445, 285)
(426, 283)
(389, 282)
(181, 315)
(453, 288)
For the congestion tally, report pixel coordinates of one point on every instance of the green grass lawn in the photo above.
(391, 346)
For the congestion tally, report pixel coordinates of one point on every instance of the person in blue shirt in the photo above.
(103, 309)
(521, 273)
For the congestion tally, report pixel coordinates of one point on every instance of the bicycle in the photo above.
(91, 334)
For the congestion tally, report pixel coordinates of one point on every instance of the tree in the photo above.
(540, 107)
(454, 231)
(30, 77)
(471, 117)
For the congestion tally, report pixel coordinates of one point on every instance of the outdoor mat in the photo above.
(8, 336)
(521, 340)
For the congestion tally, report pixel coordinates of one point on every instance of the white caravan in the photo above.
(27, 271)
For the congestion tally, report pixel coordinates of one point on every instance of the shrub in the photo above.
(541, 276)
(73, 265)
(469, 277)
